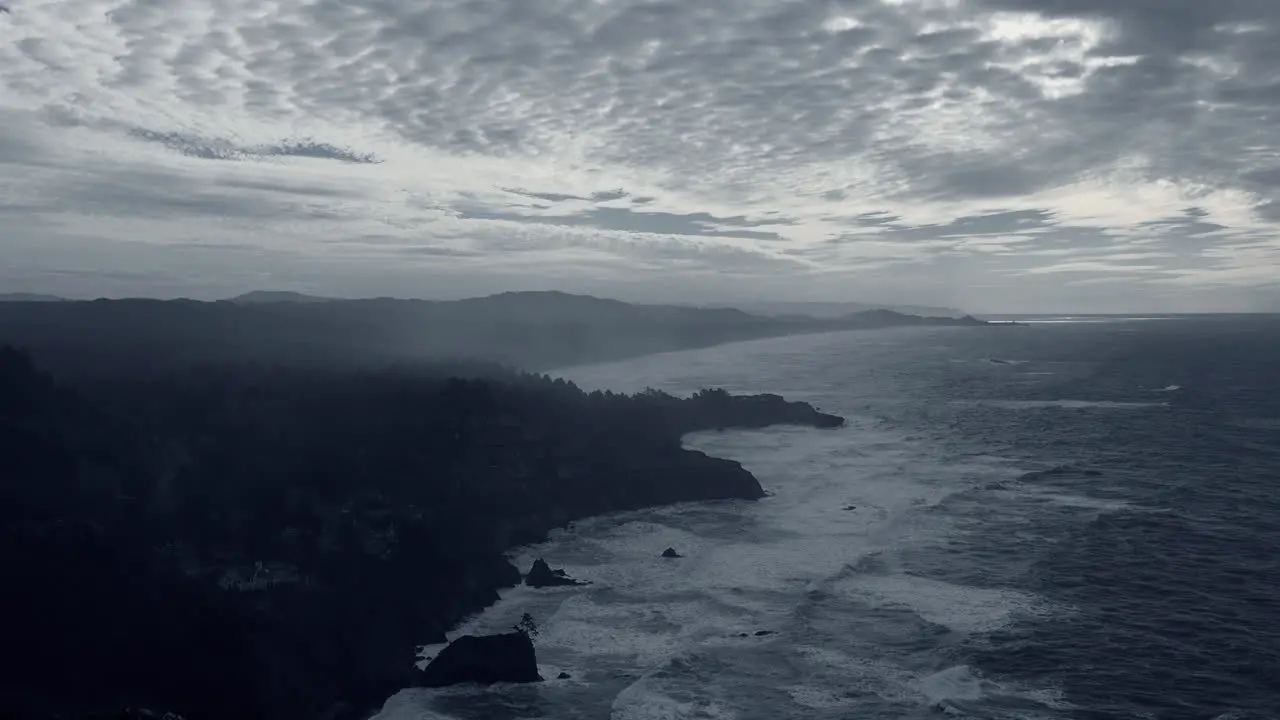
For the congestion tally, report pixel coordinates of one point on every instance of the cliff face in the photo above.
(275, 544)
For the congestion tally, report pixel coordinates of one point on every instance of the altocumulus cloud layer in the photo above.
(1091, 154)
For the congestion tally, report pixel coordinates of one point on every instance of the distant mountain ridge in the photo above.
(814, 310)
(277, 296)
(29, 297)
(530, 330)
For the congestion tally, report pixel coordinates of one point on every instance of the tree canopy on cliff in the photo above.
(308, 524)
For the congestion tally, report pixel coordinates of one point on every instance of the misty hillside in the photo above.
(29, 297)
(533, 330)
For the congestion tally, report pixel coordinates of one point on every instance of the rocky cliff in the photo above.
(270, 544)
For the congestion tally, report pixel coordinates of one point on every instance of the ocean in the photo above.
(1071, 518)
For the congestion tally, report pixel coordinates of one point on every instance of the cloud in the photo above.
(626, 220)
(942, 151)
(221, 149)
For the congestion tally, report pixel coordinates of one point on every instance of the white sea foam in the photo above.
(410, 704)
(817, 698)
(1065, 404)
(654, 698)
(956, 688)
(854, 676)
(839, 497)
(956, 607)
(954, 683)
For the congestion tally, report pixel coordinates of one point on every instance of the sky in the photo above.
(994, 155)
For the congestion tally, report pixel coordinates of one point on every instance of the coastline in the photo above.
(382, 541)
(708, 479)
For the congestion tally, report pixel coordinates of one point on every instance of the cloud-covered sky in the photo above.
(1086, 155)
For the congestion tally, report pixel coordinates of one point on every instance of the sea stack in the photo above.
(483, 659)
(541, 575)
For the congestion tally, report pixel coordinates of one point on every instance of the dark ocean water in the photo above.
(1062, 520)
(1175, 600)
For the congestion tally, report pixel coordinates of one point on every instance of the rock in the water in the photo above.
(762, 633)
(483, 659)
(671, 553)
(541, 575)
(563, 676)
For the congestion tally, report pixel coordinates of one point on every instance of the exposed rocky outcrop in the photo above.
(541, 575)
(483, 659)
(717, 408)
(671, 553)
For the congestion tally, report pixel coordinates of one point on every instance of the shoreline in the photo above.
(513, 556)
(249, 512)
(627, 539)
